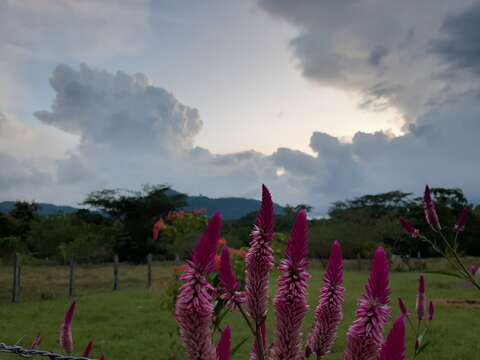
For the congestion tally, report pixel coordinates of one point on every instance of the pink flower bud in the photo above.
(66, 338)
(225, 345)
(403, 308)
(36, 342)
(430, 212)
(88, 350)
(421, 298)
(462, 221)
(409, 229)
(102, 357)
(431, 311)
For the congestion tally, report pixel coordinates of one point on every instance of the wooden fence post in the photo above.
(16, 279)
(71, 282)
(115, 272)
(149, 271)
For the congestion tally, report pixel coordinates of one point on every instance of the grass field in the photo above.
(130, 324)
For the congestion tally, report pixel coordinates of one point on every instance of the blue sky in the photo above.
(321, 100)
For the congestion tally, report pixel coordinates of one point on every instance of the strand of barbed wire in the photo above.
(29, 353)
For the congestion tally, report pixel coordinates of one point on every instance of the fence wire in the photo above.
(29, 353)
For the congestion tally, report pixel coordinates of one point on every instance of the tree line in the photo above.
(122, 221)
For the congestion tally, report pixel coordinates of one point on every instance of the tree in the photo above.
(137, 211)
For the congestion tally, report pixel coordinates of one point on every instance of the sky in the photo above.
(321, 100)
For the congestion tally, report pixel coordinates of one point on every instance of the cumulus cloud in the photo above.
(131, 133)
(119, 110)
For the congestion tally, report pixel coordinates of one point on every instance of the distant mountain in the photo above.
(231, 207)
(45, 209)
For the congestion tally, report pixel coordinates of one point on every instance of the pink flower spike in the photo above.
(102, 357)
(204, 254)
(409, 229)
(259, 260)
(36, 342)
(431, 311)
(88, 349)
(403, 307)
(461, 222)
(230, 288)
(430, 213)
(66, 338)
(474, 269)
(291, 299)
(421, 298)
(365, 336)
(328, 313)
(224, 346)
(194, 308)
(395, 346)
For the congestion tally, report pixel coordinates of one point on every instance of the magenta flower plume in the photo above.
(203, 256)
(473, 269)
(431, 311)
(36, 342)
(102, 357)
(409, 228)
(291, 299)
(194, 309)
(230, 288)
(329, 312)
(224, 347)
(430, 211)
(395, 347)
(66, 338)
(259, 261)
(365, 336)
(403, 307)
(420, 306)
(88, 349)
(462, 221)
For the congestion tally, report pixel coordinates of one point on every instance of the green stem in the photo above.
(260, 349)
(247, 320)
(465, 271)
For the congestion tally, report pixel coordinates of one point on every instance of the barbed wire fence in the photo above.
(30, 353)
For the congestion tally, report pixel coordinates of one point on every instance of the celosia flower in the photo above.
(158, 228)
(473, 269)
(88, 349)
(36, 342)
(221, 244)
(230, 288)
(403, 308)
(462, 221)
(430, 212)
(328, 314)
(194, 309)
(102, 357)
(420, 306)
(409, 228)
(431, 311)
(66, 338)
(291, 299)
(395, 347)
(224, 346)
(259, 261)
(365, 336)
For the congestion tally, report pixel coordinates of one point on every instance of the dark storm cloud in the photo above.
(460, 45)
(381, 49)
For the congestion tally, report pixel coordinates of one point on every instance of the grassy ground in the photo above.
(130, 324)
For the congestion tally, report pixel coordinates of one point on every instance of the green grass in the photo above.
(130, 324)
